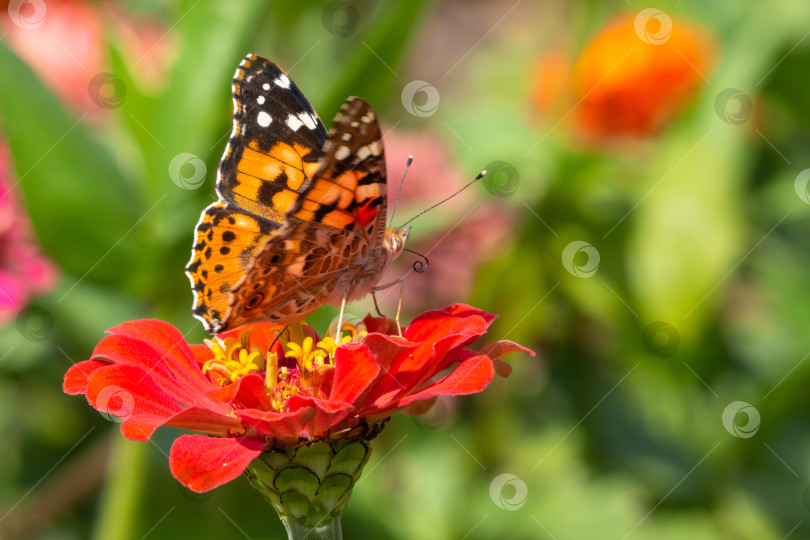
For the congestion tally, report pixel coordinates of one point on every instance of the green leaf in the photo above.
(75, 193)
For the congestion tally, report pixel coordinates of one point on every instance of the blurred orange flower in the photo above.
(631, 79)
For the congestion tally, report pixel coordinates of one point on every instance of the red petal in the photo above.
(307, 418)
(170, 344)
(355, 370)
(202, 463)
(471, 376)
(128, 392)
(202, 353)
(463, 310)
(328, 414)
(205, 421)
(380, 325)
(129, 351)
(75, 381)
(502, 368)
(433, 324)
(248, 391)
(287, 426)
(500, 348)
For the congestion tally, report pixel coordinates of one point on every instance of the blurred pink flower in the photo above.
(24, 271)
(481, 229)
(432, 177)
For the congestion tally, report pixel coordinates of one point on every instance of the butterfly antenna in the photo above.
(394, 211)
(420, 265)
(476, 179)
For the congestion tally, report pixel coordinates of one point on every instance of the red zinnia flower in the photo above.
(254, 397)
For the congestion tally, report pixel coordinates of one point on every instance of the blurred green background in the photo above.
(660, 273)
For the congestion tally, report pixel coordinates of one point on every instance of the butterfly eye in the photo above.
(254, 300)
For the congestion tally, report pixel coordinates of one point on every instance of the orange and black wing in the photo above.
(273, 152)
(340, 217)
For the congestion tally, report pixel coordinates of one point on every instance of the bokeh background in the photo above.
(643, 227)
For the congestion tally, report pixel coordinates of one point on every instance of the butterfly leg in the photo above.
(339, 328)
(376, 306)
(401, 284)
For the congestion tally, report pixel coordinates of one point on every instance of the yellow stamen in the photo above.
(271, 372)
(233, 358)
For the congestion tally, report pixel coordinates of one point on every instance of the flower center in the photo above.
(294, 364)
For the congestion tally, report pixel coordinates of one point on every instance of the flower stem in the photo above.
(120, 503)
(328, 530)
(309, 484)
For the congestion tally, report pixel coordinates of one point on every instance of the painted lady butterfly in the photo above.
(300, 220)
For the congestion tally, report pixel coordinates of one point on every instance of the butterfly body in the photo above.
(300, 220)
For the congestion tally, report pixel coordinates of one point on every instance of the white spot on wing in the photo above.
(347, 136)
(294, 123)
(264, 119)
(307, 119)
(363, 152)
(266, 86)
(342, 153)
(260, 100)
(283, 81)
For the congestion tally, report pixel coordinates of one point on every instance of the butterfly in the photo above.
(300, 216)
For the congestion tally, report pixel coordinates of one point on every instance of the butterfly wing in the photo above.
(340, 217)
(273, 152)
(276, 143)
